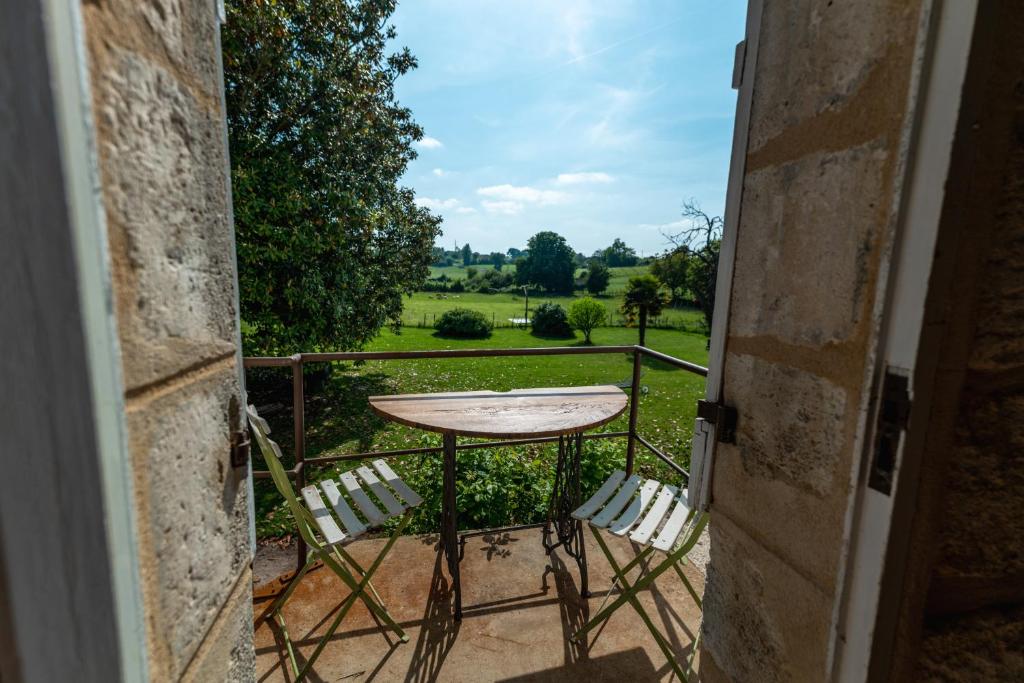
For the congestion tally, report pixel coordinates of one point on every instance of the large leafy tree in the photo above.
(550, 263)
(672, 268)
(618, 254)
(598, 277)
(328, 240)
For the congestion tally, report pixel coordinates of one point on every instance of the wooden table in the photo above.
(563, 412)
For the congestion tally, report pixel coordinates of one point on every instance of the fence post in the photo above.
(634, 405)
(299, 432)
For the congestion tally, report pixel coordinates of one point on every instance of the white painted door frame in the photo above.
(705, 434)
(870, 514)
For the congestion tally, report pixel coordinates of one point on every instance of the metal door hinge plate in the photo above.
(722, 416)
(893, 415)
(240, 446)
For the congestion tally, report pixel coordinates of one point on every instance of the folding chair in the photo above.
(325, 538)
(619, 507)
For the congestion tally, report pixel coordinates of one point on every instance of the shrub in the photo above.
(585, 314)
(550, 320)
(464, 324)
(457, 286)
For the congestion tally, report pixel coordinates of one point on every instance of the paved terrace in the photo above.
(520, 607)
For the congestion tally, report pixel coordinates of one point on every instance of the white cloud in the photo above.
(506, 207)
(669, 228)
(440, 172)
(522, 194)
(437, 204)
(581, 178)
(465, 209)
(429, 143)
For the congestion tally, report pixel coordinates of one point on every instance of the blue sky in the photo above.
(593, 119)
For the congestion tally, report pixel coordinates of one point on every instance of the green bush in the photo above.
(464, 324)
(585, 314)
(550, 320)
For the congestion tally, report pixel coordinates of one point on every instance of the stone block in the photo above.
(227, 654)
(808, 244)
(193, 510)
(793, 425)
(182, 34)
(770, 624)
(815, 56)
(166, 193)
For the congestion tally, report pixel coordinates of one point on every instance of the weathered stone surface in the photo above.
(814, 56)
(770, 623)
(194, 514)
(987, 645)
(165, 183)
(808, 230)
(793, 424)
(227, 654)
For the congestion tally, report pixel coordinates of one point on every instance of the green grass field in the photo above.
(422, 308)
(617, 284)
(496, 486)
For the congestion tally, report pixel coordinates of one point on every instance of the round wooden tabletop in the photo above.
(520, 413)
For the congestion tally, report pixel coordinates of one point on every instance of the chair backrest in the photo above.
(304, 519)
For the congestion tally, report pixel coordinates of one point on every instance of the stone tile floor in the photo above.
(520, 606)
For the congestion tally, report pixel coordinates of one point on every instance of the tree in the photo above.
(514, 253)
(618, 254)
(585, 314)
(467, 255)
(549, 263)
(498, 259)
(328, 240)
(672, 268)
(643, 297)
(598, 277)
(703, 238)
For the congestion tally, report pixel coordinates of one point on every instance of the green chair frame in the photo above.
(629, 510)
(333, 556)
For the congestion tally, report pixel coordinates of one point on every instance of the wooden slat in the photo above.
(328, 527)
(383, 494)
(258, 421)
(411, 498)
(363, 502)
(636, 508)
(621, 499)
(587, 510)
(646, 528)
(666, 540)
(353, 525)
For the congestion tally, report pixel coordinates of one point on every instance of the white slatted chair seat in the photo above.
(656, 517)
(378, 495)
(648, 512)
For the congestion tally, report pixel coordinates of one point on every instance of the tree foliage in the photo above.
(702, 237)
(585, 314)
(463, 323)
(672, 268)
(549, 263)
(550, 320)
(619, 255)
(598, 277)
(327, 239)
(644, 297)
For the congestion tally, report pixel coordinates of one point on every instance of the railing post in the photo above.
(634, 406)
(299, 432)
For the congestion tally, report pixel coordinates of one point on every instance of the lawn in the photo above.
(423, 308)
(617, 284)
(496, 486)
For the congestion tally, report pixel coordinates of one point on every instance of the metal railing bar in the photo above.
(672, 360)
(324, 460)
(664, 458)
(265, 361)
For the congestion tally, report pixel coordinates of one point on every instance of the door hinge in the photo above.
(722, 416)
(893, 415)
(738, 65)
(240, 446)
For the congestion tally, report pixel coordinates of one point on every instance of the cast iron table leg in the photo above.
(449, 522)
(565, 497)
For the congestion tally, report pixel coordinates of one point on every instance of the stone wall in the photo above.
(157, 98)
(829, 119)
